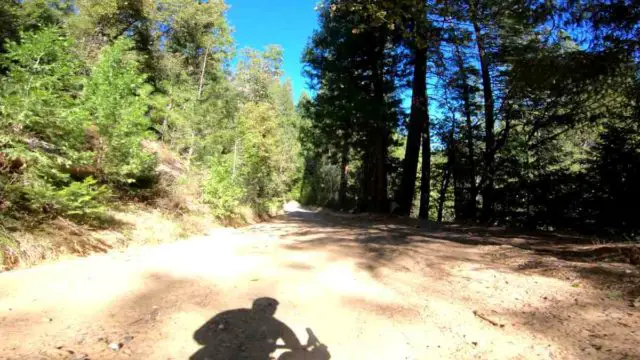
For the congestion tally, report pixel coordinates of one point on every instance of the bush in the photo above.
(42, 131)
(117, 100)
(221, 192)
(80, 200)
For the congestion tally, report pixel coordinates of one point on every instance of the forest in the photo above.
(391, 179)
(521, 113)
(516, 113)
(108, 101)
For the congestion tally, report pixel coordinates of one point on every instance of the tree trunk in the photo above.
(204, 68)
(379, 199)
(470, 208)
(489, 121)
(344, 174)
(380, 133)
(383, 182)
(165, 121)
(425, 184)
(303, 182)
(446, 174)
(417, 120)
(366, 179)
(469, 211)
(200, 87)
(235, 159)
(449, 165)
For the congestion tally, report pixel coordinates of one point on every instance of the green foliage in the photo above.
(615, 173)
(17, 17)
(43, 133)
(47, 110)
(529, 126)
(109, 18)
(80, 200)
(221, 191)
(40, 92)
(526, 120)
(117, 100)
(321, 182)
(351, 62)
(243, 132)
(190, 26)
(89, 88)
(264, 134)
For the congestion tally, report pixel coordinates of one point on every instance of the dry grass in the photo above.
(135, 225)
(8, 249)
(130, 225)
(178, 189)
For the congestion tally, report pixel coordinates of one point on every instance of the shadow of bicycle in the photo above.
(253, 334)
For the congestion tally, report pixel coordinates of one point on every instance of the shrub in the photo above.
(80, 200)
(221, 192)
(117, 100)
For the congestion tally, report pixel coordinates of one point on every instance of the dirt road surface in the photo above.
(368, 290)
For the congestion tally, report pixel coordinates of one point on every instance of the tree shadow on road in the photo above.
(253, 334)
(381, 242)
(390, 251)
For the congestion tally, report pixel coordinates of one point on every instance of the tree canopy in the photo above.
(111, 99)
(517, 110)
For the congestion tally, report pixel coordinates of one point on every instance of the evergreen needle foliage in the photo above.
(88, 85)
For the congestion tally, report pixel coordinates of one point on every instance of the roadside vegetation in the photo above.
(106, 105)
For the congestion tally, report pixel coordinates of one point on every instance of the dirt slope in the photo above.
(368, 291)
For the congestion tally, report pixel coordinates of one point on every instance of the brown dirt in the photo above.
(369, 290)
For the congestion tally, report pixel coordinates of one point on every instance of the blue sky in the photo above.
(288, 23)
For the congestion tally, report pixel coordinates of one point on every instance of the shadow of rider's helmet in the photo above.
(265, 306)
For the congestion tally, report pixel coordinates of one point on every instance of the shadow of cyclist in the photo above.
(249, 334)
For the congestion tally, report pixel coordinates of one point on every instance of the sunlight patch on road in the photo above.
(346, 279)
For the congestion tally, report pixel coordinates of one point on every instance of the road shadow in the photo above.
(373, 231)
(592, 323)
(253, 334)
(379, 243)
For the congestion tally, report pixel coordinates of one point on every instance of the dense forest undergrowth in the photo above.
(118, 115)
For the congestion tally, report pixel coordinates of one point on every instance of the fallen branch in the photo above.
(485, 318)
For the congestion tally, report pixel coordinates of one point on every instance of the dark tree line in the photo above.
(515, 112)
